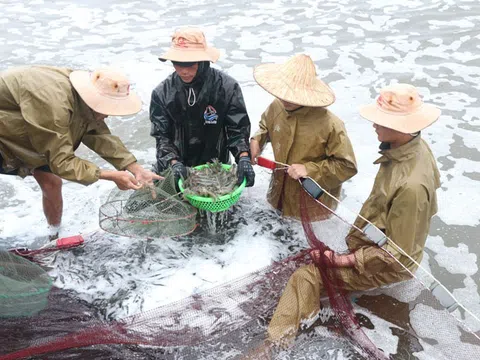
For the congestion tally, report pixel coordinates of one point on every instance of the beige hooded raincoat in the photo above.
(402, 202)
(43, 120)
(314, 137)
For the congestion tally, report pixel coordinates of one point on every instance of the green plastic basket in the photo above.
(222, 203)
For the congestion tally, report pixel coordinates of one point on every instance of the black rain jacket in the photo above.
(215, 123)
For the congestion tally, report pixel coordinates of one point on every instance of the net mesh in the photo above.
(156, 212)
(24, 286)
(335, 287)
(400, 321)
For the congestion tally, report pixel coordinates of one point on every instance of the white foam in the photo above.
(447, 257)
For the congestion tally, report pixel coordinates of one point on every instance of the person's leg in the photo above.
(51, 186)
(300, 300)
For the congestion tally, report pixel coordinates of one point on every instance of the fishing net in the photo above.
(400, 321)
(156, 212)
(24, 286)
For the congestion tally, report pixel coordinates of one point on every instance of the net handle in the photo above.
(57, 245)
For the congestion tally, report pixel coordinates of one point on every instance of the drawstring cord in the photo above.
(190, 92)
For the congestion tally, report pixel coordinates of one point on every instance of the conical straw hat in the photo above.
(295, 82)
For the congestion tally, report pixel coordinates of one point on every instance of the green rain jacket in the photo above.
(314, 137)
(401, 204)
(43, 120)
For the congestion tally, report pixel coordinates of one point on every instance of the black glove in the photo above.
(179, 171)
(245, 170)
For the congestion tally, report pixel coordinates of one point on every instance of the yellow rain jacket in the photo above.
(402, 202)
(43, 120)
(314, 137)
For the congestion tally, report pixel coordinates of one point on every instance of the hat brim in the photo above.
(318, 95)
(191, 55)
(102, 104)
(426, 115)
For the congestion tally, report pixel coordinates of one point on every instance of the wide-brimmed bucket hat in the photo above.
(190, 45)
(400, 107)
(106, 91)
(295, 82)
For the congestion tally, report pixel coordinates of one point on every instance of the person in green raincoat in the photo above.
(304, 134)
(401, 204)
(46, 112)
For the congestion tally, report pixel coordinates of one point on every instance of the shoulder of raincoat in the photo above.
(314, 137)
(48, 122)
(402, 202)
(197, 122)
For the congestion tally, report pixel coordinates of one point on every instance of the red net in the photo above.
(334, 286)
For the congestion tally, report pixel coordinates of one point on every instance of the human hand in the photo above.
(179, 171)
(297, 171)
(334, 260)
(255, 150)
(145, 178)
(125, 181)
(245, 170)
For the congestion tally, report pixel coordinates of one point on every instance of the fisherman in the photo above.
(46, 112)
(304, 134)
(401, 204)
(198, 113)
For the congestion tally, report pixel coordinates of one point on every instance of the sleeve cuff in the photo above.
(123, 163)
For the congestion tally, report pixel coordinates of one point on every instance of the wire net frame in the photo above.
(150, 213)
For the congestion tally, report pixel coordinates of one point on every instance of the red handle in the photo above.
(266, 163)
(68, 242)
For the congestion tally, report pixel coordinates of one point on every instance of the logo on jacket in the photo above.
(210, 115)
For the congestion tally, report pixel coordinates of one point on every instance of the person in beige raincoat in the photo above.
(304, 134)
(46, 112)
(401, 204)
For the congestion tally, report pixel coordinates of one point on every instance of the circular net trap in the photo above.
(24, 286)
(156, 212)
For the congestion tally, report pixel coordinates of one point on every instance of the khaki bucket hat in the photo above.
(295, 82)
(400, 107)
(190, 45)
(106, 91)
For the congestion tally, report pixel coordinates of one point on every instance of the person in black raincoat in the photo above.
(198, 113)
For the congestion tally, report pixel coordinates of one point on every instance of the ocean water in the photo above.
(358, 47)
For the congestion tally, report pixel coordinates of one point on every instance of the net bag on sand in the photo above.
(156, 212)
(24, 286)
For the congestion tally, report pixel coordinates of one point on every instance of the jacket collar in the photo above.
(303, 111)
(402, 153)
(82, 110)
